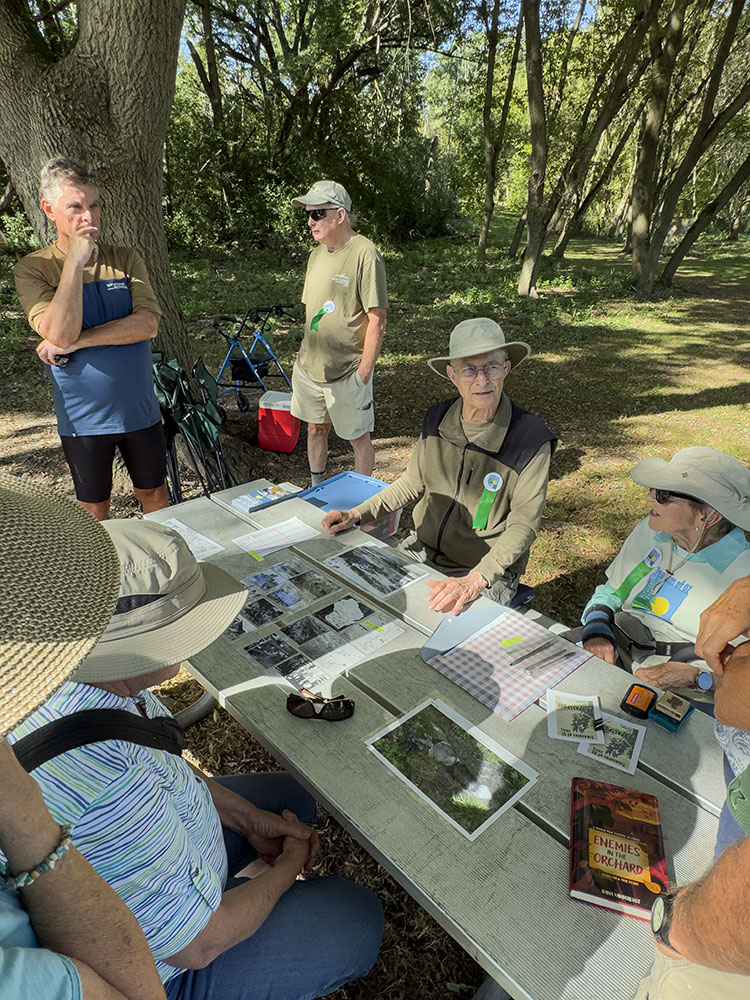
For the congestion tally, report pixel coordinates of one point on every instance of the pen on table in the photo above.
(533, 652)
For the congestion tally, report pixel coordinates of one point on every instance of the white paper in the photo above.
(622, 744)
(201, 546)
(576, 718)
(263, 542)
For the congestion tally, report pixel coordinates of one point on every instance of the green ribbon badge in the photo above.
(328, 307)
(638, 572)
(492, 483)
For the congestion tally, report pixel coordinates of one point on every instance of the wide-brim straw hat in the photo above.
(477, 336)
(60, 582)
(170, 606)
(708, 475)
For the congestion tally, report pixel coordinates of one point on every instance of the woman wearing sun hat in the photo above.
(168, 838)
(674, 563)
(64, 933)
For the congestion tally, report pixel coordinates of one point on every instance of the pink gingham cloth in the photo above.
(483, 667)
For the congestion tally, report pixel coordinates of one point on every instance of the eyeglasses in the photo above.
(318, 213)
(492, 371)
(314, 707)
(664, 496)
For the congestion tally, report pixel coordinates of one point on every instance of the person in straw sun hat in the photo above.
(63, 930)
(479, 471)
(169, 839)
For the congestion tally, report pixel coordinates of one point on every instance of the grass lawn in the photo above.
(616, 378)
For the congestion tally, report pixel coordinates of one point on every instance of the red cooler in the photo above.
(278, 430)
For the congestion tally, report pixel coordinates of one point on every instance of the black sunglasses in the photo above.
(315, 707)
(319, 213)
(664, 496)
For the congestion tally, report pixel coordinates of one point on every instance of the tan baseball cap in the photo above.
(708, 475)
(170, 606)
(479, 336)
(325, 193)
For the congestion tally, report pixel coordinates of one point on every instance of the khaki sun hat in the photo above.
(59, 588)
(479, 336)
(704, 473)
(170, 607)
(325, 193)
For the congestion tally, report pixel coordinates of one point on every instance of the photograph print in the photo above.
(379, 570)
(461, 772)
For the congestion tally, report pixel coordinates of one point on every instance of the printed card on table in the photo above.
(622, 744)
(574, 717)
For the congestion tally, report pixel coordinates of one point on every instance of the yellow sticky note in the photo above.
(372, 625)
(512, 640)
(256, 555)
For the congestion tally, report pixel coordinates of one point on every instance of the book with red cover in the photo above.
(616, 848)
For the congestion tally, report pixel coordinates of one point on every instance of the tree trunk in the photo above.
(517, 234)
(535, 223)
(705, 217)
(106, 101)
(494, 143)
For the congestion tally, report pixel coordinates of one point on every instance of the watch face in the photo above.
(658, 911)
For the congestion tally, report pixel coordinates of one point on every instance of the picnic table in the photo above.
(504, 895)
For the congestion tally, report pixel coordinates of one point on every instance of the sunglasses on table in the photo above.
(314, 707)
(319, 213)
(664, 496)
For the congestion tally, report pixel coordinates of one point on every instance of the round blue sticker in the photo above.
(493, 481)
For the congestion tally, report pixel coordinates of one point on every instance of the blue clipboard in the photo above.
(455, 629)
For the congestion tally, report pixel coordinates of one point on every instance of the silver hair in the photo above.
(60, 171)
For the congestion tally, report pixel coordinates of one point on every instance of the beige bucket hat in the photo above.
(170, 606)
(325, 193)
(704, 473)
(479, 336)
(59, 588)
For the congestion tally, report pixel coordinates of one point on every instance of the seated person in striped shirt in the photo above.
(169, 839)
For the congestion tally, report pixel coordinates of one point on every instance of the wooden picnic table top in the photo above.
(504, 895)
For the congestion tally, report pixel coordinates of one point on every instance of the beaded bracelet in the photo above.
(23, 879)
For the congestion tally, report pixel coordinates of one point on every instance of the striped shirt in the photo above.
(141, 817)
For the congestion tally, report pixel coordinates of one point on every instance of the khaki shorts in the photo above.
(678, 979)
(345, 403)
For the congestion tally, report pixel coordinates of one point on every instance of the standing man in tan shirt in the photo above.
(346, 302)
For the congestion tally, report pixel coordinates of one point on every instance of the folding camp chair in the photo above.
(256, 365)
(197, 422)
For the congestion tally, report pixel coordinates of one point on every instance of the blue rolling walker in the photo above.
(253, 366)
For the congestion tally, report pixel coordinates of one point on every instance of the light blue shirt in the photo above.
(26, 970)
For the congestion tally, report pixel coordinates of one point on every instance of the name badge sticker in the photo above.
(493, 481)
(329, 306)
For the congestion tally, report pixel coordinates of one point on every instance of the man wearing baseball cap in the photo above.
(64, 933)
(169, 839)
(479, 471)
(346, 301)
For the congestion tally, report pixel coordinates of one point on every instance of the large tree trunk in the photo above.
(535, 223)
(106, 101)
(493, 143)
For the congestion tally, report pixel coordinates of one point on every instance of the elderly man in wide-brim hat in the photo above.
(479, 471)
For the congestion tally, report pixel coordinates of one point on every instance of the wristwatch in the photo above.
(661, 917)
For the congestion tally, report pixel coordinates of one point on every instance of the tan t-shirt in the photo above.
(339, 289)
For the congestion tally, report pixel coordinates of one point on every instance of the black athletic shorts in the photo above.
(90, 458)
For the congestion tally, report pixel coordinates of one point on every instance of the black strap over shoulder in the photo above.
(96, 726)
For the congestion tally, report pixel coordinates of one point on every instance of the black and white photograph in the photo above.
(304, 629)
(315, 585)
(375, 569)
(295, 662)
(460, 771)
(270, 651)
(322, 644)
(259, 612)
(291, 566)
(239, 627)
(288, 596)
